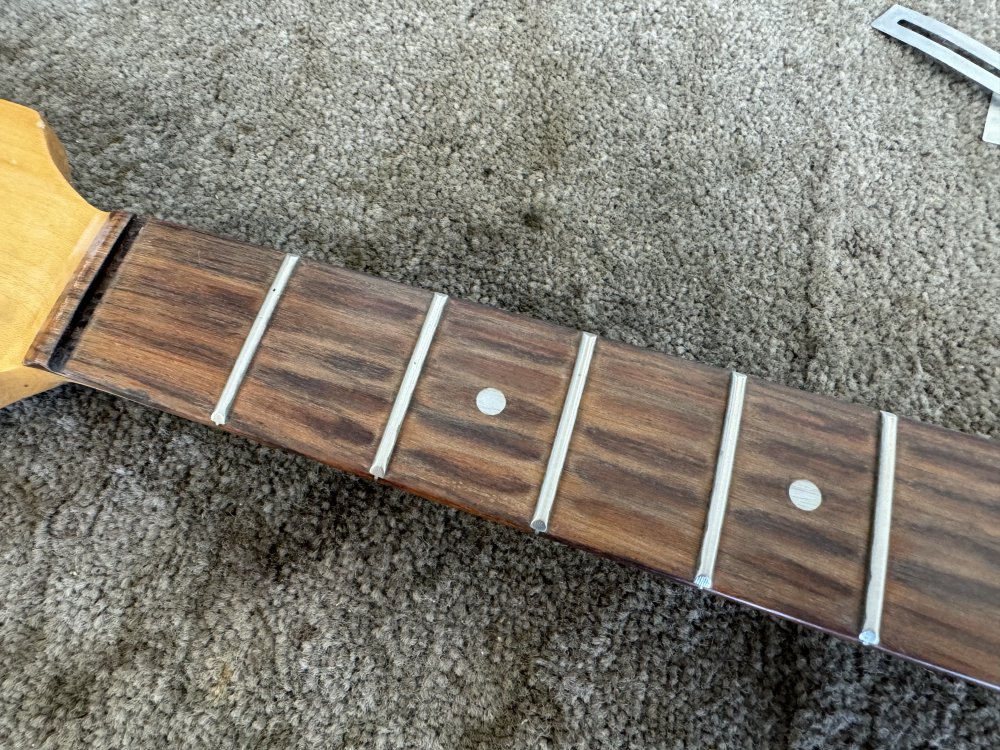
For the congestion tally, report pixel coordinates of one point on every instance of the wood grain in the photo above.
(169, 327)
(639, 470)
(328, 368)
(810, 566)
(46, 231)
(942, 601)
(84, 283)
(450, 451)
(174, 313)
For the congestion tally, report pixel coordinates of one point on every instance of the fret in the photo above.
(784, 500)
(881, 525)
(405, 392)
(810, 566)
(639, 471)
(187, 300)
(723, 479)
(449, 449)
(221, 411)
(326, 375)
(564, 433)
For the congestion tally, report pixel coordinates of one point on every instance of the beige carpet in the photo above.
(770, 186)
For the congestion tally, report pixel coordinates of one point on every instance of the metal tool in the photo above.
(958, 51)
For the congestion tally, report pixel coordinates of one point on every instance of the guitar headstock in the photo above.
(46, 229)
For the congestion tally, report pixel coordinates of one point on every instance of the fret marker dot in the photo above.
(491, 401)
(804, 494)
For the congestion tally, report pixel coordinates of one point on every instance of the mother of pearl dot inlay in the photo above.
(804, 494)
(491, 401)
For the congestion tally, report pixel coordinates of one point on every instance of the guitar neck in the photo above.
(827, 513)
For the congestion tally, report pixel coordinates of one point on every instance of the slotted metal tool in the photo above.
(951, 47)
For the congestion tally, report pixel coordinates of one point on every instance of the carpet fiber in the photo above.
(769, 186)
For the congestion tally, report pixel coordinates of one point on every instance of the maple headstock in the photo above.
(46, 229)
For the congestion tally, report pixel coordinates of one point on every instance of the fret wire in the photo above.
(879, 560)
(252, 341)
(723, 478)
(401, 405)
(564, 432)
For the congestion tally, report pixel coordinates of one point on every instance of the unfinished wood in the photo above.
(450, 451)
(942, 599)
(328, 369)
(810, 566)
(639, 470)
(46, 232)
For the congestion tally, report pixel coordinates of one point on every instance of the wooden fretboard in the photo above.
(162, 314)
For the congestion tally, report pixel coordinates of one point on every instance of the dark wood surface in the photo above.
(450, 451)
(176, 305)
(330, 370)
(173, 319)
(807, 565)
(640, 467)
(942, 601)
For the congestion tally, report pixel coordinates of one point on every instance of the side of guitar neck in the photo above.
(822, 512)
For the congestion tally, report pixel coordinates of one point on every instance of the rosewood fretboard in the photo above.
(161, 314)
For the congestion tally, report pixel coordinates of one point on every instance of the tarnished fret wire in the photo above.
(723, 478)
(879, 560)
(242, 364)
(560, 446)
(402, 403)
